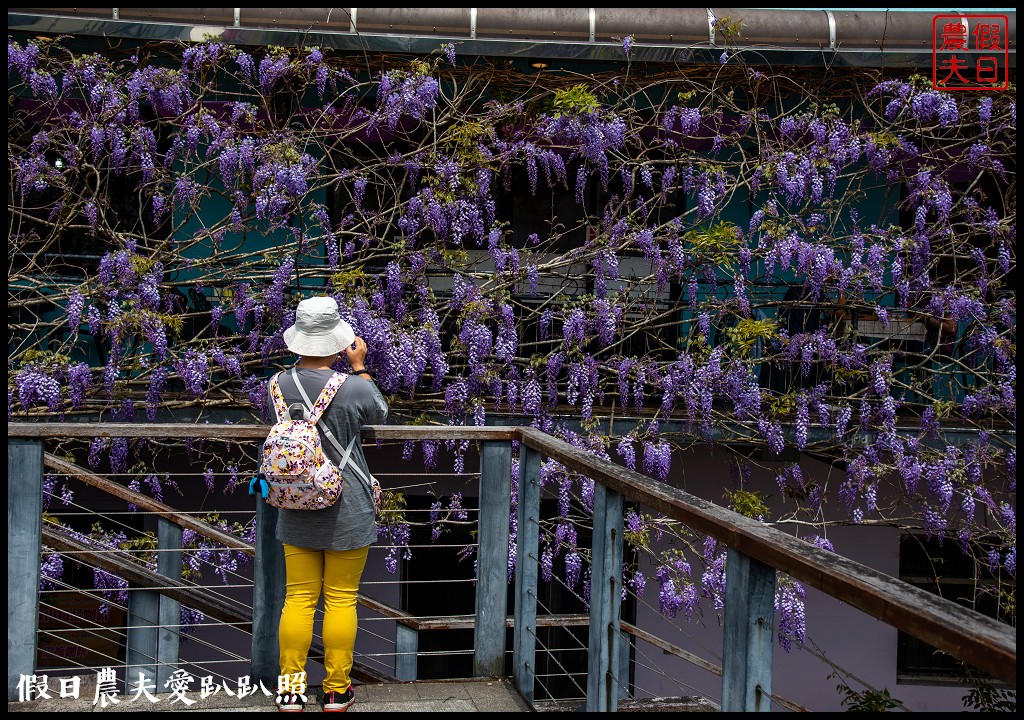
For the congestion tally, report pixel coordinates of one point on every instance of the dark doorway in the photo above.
(438, 580)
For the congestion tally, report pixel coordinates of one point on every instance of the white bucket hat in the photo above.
(318, 330)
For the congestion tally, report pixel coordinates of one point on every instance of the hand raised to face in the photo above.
(356, 354)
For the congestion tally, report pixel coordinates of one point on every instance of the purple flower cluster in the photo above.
(51, 572)
(657, 459)
(398, 535)
(24, 59)
(627, 452)
(713, 581)
(591, 136)
(448, 49)
(636, 582)
(280, 181)
(820, 542)
(671, 599)
(193, 370)
(79, 383)
(400, 94)
(771, 431)
(272, 71)
(573, 568)
(114, 589)
(789, 605)
(34, 384)
(627, 45)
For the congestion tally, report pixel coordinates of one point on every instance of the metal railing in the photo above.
(756, 552)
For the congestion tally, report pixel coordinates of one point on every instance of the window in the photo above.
(941, 567)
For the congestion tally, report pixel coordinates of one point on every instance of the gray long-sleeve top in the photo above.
(349, 523)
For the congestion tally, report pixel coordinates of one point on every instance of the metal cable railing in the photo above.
(635, 653)
(557, 642)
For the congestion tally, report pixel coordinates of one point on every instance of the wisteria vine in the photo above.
(709, 248)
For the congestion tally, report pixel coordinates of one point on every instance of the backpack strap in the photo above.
(346, 454)
(280, 406)
(316, 410)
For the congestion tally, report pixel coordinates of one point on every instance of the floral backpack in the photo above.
(295, 472)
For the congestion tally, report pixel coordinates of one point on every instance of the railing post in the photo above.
(605, 600)
(407, 648)
(168, 563)
(625, 648)
(747, 643)
(527, 544)
(25, 538)
(492, 559)
(267, 597)
(154, 621)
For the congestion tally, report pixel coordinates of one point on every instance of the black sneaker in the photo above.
(290, 702)
(339, 702)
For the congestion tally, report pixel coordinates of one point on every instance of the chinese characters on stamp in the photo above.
(970, 52)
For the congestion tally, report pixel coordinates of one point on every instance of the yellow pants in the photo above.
(337, 572)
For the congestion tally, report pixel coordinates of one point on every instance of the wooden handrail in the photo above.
(183, 519)
(959, 631)
(187, 431)
(122, 565)
(204, 431)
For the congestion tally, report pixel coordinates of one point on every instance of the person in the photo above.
(327, 549)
